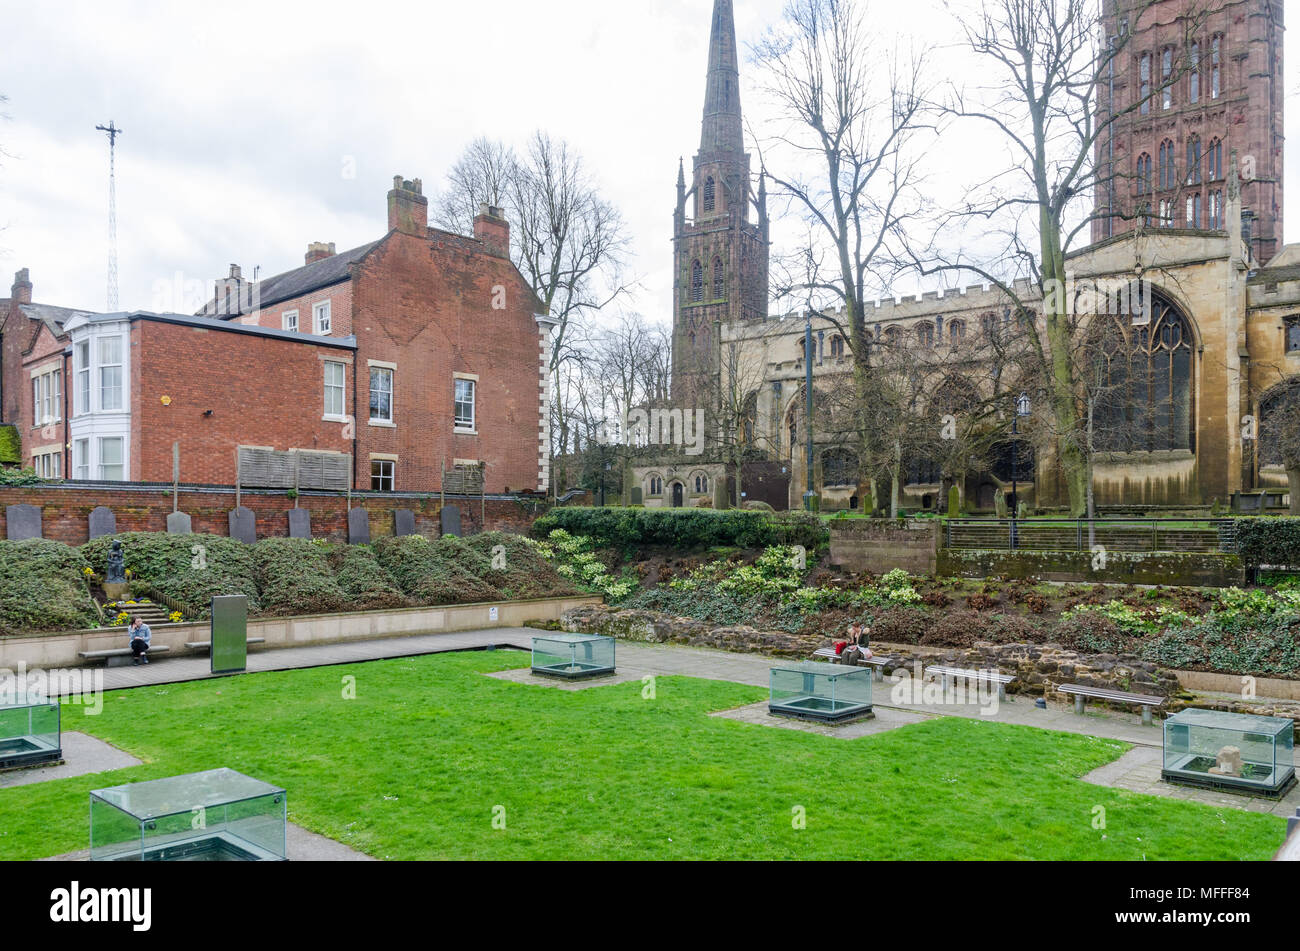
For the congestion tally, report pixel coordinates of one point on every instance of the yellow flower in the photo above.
(175, 616)
(87, 571)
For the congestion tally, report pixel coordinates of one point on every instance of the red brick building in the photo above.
(1196, 82)
(412, 355)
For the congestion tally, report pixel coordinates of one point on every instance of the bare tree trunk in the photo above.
(1293, 480)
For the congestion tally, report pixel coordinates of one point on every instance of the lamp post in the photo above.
(808, 494)
(1022, 410)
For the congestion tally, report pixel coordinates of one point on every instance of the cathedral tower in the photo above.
(719, 255)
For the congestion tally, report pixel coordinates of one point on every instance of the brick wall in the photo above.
(65, 511)
(428, 305)
(261, 391)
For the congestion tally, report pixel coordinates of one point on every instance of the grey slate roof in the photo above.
(309, 277)
(54, 317)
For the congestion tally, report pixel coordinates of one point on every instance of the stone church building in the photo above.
(1197, 203)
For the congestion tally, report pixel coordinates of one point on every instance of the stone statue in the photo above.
(116, 564)
(1229, 762)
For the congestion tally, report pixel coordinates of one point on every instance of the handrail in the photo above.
(175, 604)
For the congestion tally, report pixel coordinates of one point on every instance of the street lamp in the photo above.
(808, 494)
(1022, 411)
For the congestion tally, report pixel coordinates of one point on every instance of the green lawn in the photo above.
(414, 767)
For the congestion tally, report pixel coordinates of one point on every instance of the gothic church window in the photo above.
(1144, 174)
(697, 282)
(719, 287)
(839, 467)
(710, 196)
(1167, 177)
(1194, 160)
(1144, 398)
(1214, 161)
(1293, 334)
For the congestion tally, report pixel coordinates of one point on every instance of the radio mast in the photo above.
(113, 132)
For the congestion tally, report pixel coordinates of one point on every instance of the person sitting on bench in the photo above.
(140, 636)
(857, 648)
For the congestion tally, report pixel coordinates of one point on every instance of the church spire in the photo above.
(722, 128)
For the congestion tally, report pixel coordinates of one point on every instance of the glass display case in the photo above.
(826, 692)
(216, 816)
(573, 655)
(29, 732)
(1230, 751)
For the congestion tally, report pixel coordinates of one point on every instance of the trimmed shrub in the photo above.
(430, 572)
(684, 528)
(526, 574)
(43, 588)
(294, 577)
(1269, 541)
(900, 625)
(1014, 629)
(1091, 633)
(363, 581)
(958, 629)
(190, 568)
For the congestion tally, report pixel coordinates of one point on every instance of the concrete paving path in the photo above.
(895, 704)
(82, 756)
(301, 845)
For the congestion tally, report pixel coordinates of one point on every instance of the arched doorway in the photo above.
(678, 495)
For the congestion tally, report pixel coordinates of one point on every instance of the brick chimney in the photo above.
(319, 251)
(408, 209)
(493, 230)
(22, 289)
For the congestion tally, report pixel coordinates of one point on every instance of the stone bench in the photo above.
(877, 663)
(1083, 692)
(207, 645)
(119, 656)
(945, 674)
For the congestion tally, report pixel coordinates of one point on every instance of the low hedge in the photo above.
(1269, 541)
(431, 572)
(294, 576)
(684, 528)
(363, 580)
(526, 573)
(43, 588)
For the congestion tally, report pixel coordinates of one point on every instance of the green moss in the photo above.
(11, 445)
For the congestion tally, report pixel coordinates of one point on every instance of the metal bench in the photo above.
(979, 676)
(877, 663)
(207, 645)
(1083, 692)
(118, 656)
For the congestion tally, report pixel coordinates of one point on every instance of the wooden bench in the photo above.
(876, 663)
(946, 674)
(207, 645)
(118, 656)
(1082, 692)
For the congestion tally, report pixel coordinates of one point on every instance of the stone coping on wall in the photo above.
(63, 649)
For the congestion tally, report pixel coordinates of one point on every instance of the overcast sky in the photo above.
(252, 129)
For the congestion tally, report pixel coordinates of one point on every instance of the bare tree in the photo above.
(1279, 433)
(1050, 62)
(853, 114)
(483, 175)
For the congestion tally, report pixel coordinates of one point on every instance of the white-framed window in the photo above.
(81, 459)
(382, 475)
(320, 315)
(465, 404)
(81, 363)
(47, 397)
(335, 382)
(381, 394)
(48, 465)
(289, 320)
(110, 373)
(112, 462)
